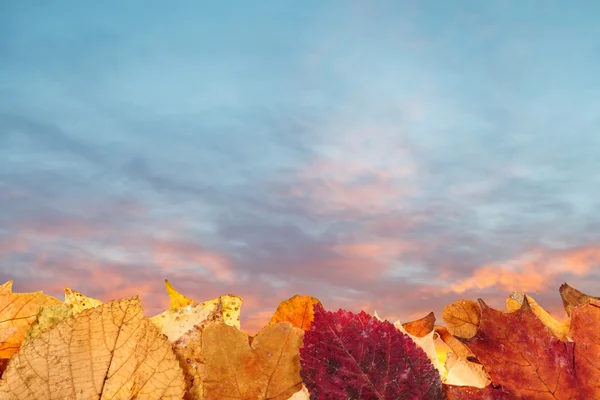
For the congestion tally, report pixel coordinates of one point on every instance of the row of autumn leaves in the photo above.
(84, 349)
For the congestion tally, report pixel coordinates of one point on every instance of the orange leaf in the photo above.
(17, 312)
(420, 327)
(297, 310)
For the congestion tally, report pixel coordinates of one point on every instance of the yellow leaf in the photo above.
(19, 311)
(231, 305)
(108, 352)
(177, 299)
(79, 301)
(462, 372)
(559, 329)
(298, 310)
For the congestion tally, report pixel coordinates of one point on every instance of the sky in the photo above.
(389, 156)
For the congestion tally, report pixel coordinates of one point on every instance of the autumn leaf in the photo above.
(220, 362)
(230, 304)
(177, 299)
(420, 327)
(426, 341)
(572, 297)
(298, 310)
(558, 329)
(175, 322)
(585, 332)
(48, 316)
(462, 318)
(355, 356)
(524, 358)
(108, 352)
(17, 312)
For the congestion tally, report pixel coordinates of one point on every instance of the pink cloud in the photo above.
(533, 271)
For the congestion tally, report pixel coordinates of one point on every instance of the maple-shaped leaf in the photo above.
(526, 361)
(220, 363)
(17, 312)
(558, 329)
(108, 352)
(298, 310)
(355, 356)
(572, 297)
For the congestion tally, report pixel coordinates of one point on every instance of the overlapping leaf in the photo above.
(108, 352)
(355, 356)
(17, 312)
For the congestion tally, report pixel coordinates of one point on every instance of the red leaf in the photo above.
(523, 357)
(355, 356)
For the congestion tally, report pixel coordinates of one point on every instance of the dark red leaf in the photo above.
(355, 356)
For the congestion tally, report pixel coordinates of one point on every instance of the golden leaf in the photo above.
(298, 310)
(462, 318)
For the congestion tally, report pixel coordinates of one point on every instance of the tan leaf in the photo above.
(175, 322)
(462, 318)
(222, 364)
(19, 311)
(559, 329)
(462, 372)
(108, 352)
(572, 297)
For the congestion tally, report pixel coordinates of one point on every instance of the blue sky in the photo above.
(388, 155)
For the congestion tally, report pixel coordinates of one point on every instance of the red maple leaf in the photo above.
(525, 361)
(354, 356)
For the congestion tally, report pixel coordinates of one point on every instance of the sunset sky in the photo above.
(379, 155)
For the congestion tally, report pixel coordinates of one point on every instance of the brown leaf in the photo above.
(19, 311)
(420, 327)
(572, 297)
(108, 352)
(462, 318)
(221, 364)
(298, 310)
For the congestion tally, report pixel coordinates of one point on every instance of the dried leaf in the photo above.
(420, 327)
(75, 302)
(19, 311)
(220, 362)
(175, 322)
(572, 297)
(79, 302)
(462, 318)
(230, 304)
(177, 299)
(108, 352)
(298, 310)
(355, 356)
(462, 372)
(558, 329)
(524, 358)
(456, 345)
(585, 332)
